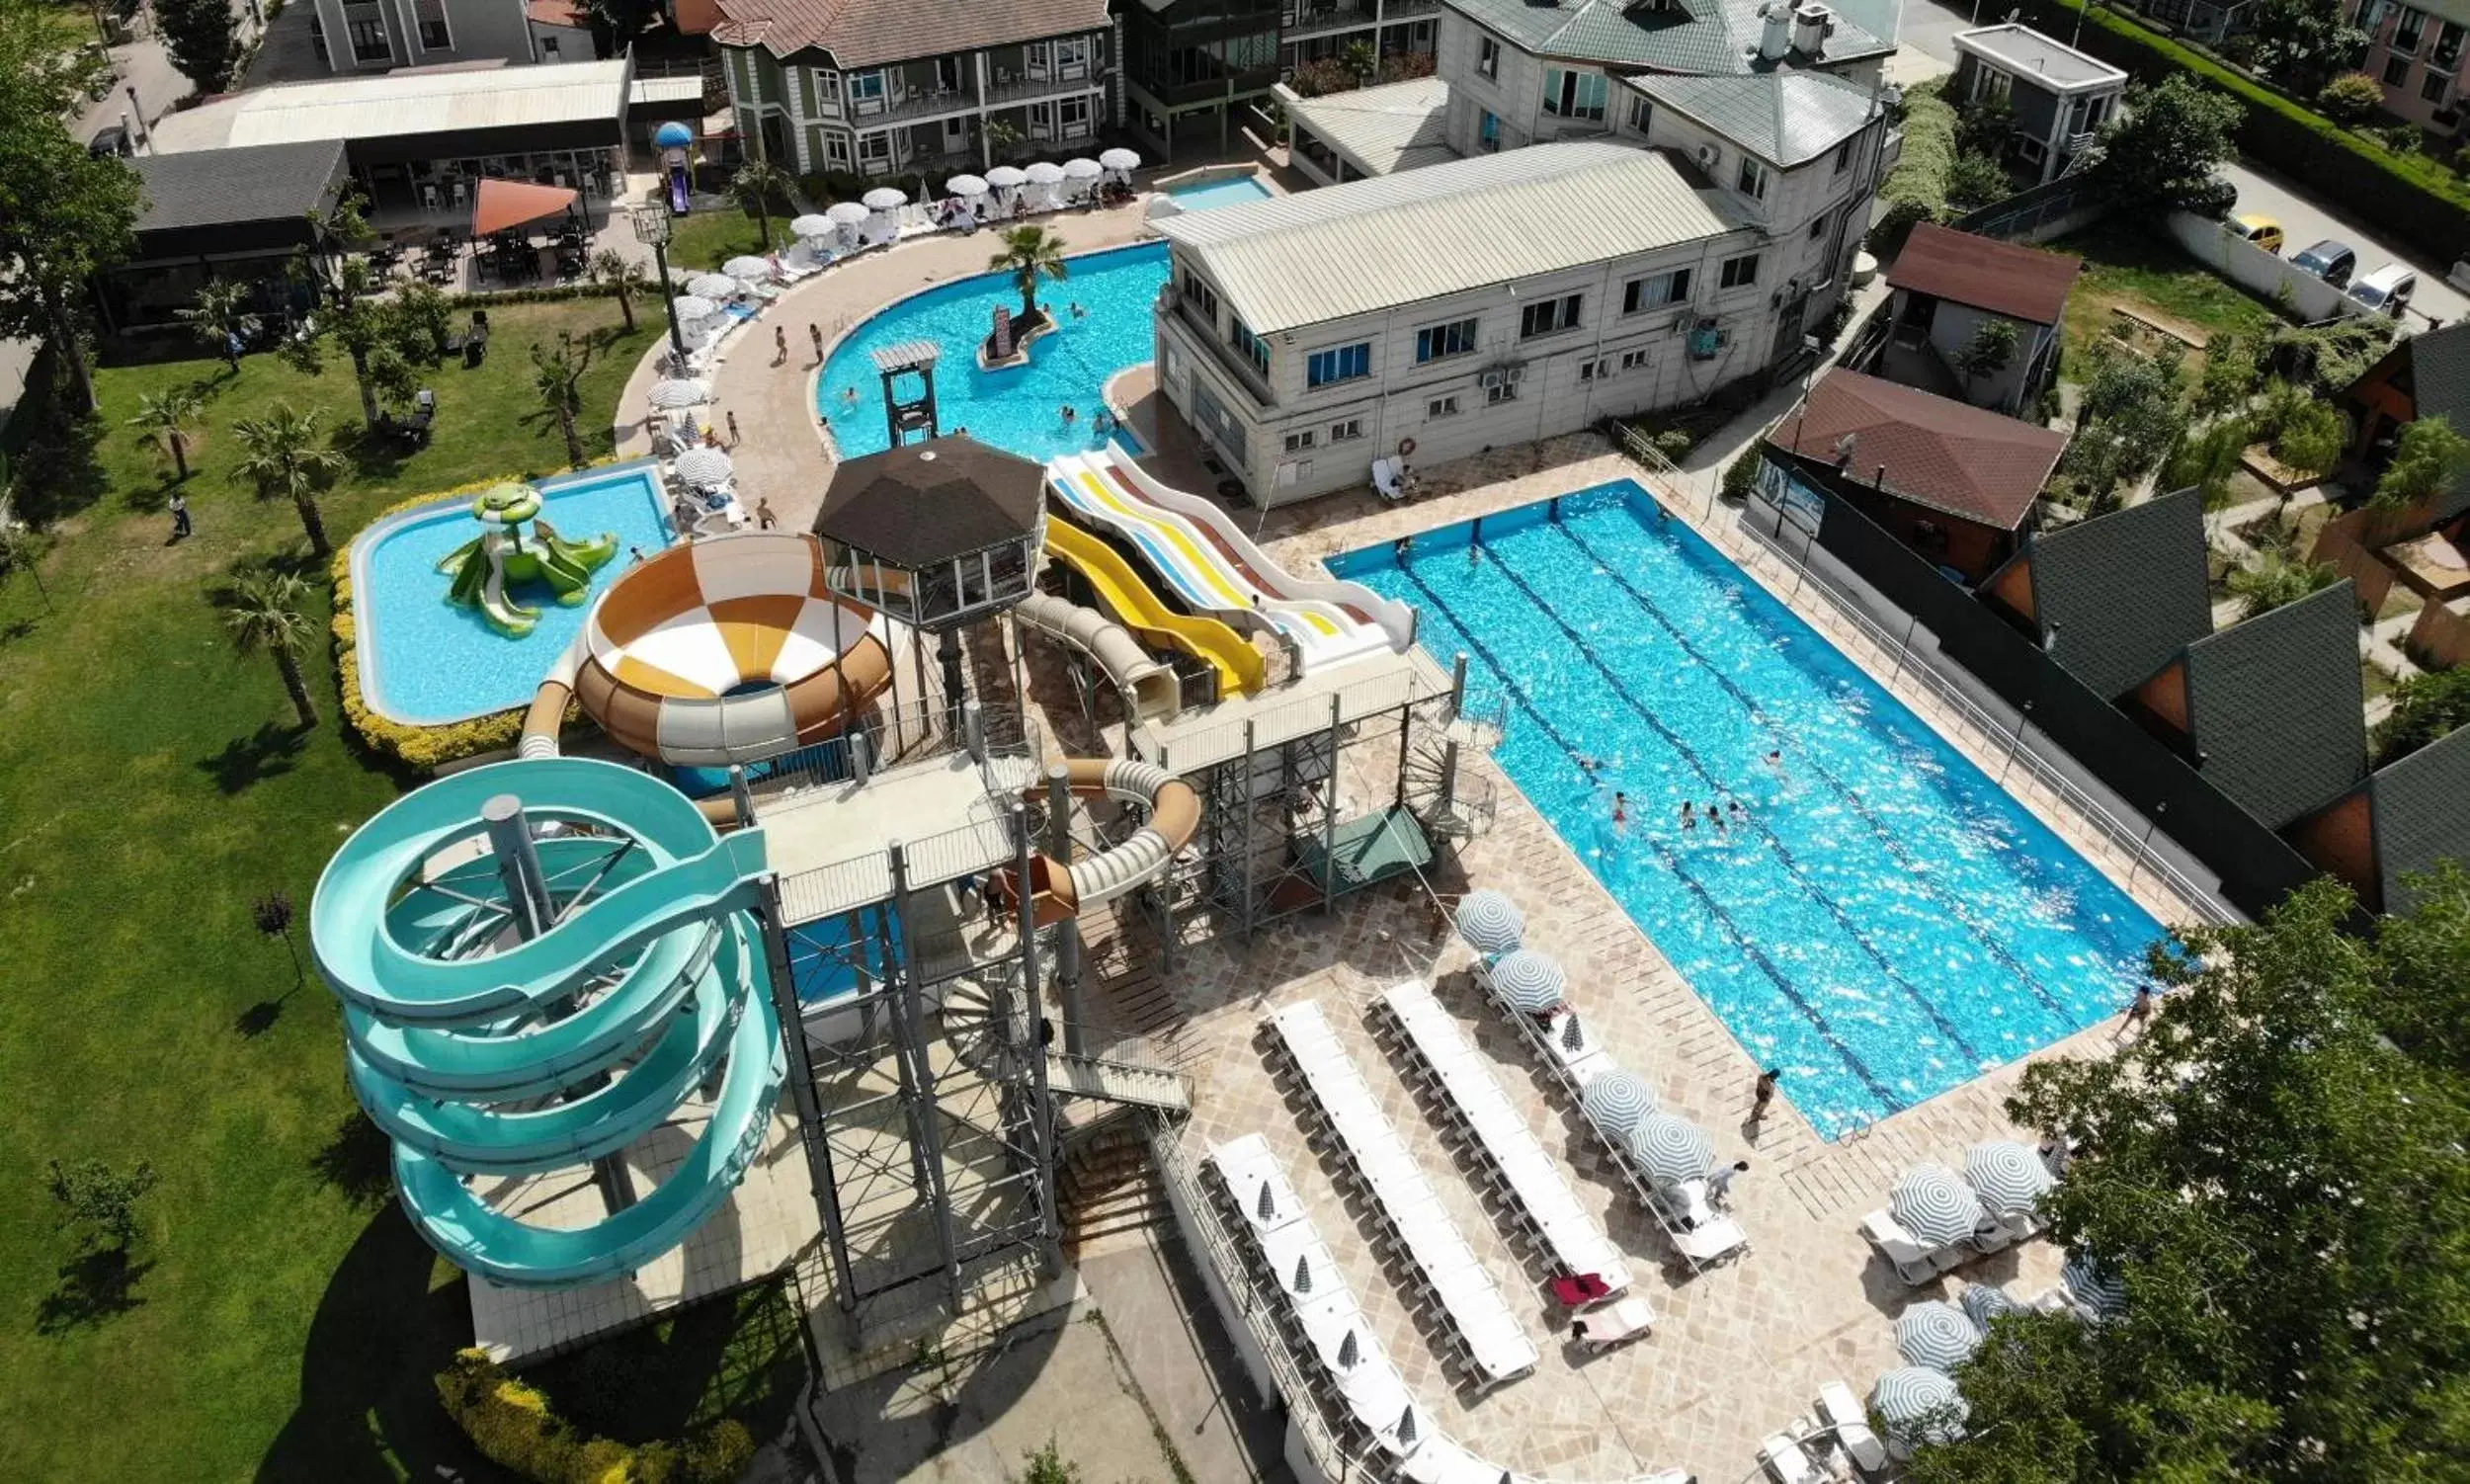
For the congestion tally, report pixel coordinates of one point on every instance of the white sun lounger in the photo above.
(1787, 1463)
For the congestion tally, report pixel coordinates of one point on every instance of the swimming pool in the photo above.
(425, 660)
(1235, 191)
(1020, 409)
(1880, 920)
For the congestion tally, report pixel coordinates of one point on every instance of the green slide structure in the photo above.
(488, 565)
(539, 962)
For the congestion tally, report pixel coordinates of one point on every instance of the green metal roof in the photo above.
(2275, 706)
(2120, 595)
(1675, 36)
(1785, 118)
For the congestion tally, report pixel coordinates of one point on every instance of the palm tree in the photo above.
(1030, 253)
(557, 375)
(169, 415)
(286, 462)
(264, 610)
(220, 317)
(2275, 579)
(624, 276)
(754, 186)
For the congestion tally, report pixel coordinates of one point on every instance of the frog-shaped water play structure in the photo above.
(502, 557)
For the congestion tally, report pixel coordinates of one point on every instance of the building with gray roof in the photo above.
(229, 214)
(2115, 597)
(2273, 706)
(2421, 817)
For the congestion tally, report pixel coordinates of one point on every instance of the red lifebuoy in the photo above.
(1406, 446)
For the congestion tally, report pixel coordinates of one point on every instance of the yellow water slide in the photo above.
(1239, 665)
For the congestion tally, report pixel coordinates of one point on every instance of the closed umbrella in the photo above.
(1933, 1205)
(1984, 1302)
(1616, 1099)
(1121, 159)
(1007, 176)
(1079, 169)
(2092, 1285)
(1920, 1405)
(704, 466)
(2007, 1175)
(1670, 1149)
(884, 198)
(812, 224)
(748, 267)
(1527, 981)
(680, 392)
(692, 308)
(965, 186)
(1490, 922)
(1937, 1334)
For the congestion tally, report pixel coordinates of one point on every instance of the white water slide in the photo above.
(1219, 570)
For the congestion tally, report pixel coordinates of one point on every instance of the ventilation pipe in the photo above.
(1811, 25)
(1776, 38)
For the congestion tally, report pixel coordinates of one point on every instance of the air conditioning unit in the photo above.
(1706, 157)
(1489, 380)
(1514, 374)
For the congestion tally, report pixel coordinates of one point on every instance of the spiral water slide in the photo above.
(493, 1031)
(1214, 568)
(1058, 891)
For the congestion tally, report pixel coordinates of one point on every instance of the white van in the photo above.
(2387, 288)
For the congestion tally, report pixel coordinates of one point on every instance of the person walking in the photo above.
(765, 519)
(2139, 1014)
(733, 429)
(1764, 1092)
(779, 346)
(815, 333)
(1719, 1185)
(181, 528)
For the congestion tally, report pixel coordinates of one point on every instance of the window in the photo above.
(1342, 363)
(433, 36)
(1248, 345)
(1819, 224)
(1441, 341)
(2447, 51)
(1741, 272)
(2407, 32)
(1843, 157)
(1203, 296)
(1575, 95)
(1439, 408)
(874, 149)
(1655, 290)
(1074, 114)
(1488, 57)
(1641, 115)
(1991, 83)
(1589, 370)
(2396, 71)
(1549, 316)
(836, 149)
(1072, 56)
(1753, 178)
(1635, 360)
(1347, 432)
(828, 91)
(865, 93)
(1502, 391)
(2075, 115)
(1300, 443)
(1488, 133)
(368, 42)
(2431, 86)
(548, 44)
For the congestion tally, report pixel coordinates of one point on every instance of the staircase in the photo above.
(1110, 1191)
(1117, 1080)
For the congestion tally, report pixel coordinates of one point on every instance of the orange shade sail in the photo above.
(505, 204)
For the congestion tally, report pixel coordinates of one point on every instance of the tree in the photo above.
(198, 36)
(2275, 579)
(624, 277)
(756, 186)
(267, 610)
(220, 317)
(64, 214)
(1983, 125)
(2427, 461)
(100, 1199)
(2280, 1191)
(2167, 148)
(1002, 138)
(283, 462)
(557, 375)
(1028, 254)
(2229, 376)
(2298, 44)
(20, 551)
(2426, 708)
(2206, 460)
(2351, 98)
(170, 415)
(2311, 438)
(1361, 61)
(1990, 350)
(2129, 420)
(1975, 180)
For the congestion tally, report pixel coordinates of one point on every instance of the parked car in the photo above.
(2387, 288)
(2263, 231)
(2330, 261)
(110, 139)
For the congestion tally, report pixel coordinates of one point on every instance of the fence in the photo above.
(2259, 272)
(2037, 213)
(2255, 866)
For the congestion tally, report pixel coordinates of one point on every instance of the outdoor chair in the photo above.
(1785, 1462)
(1841, 1410)
(1892, 1242)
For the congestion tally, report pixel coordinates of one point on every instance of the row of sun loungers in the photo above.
(1490, 1344)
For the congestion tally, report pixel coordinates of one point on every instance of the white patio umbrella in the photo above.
(1044, 173)
(1490, 922)
(1617, 1100)
(1121, 160)
(1933, 1205)
(713, 286)
(1937, 1334)
(748, 267)
(701, 465)
(1527, 981)
(692, 308)
(885, 199)
(1007, 176)
(846, 214)
(2007, 1175)
(1081, 169)
(812, 224)
(680, 392)
(965, 186)
(1920, 1405)
(1669, 1149)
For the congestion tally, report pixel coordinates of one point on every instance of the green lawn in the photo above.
(2146, 271)
(285, 1320)
(707, 239)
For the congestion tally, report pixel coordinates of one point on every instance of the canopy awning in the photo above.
(499, 205)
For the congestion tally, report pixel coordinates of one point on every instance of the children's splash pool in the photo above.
(1873, 915)
(1201, 196)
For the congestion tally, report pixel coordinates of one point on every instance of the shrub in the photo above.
(1917, 189)
(2427, 460)
(2311, 438)
(513, 1425)
(2351, 98)
(1975, 180)
(2426, 708)
(1741, 476)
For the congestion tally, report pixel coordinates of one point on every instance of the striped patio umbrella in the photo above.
(1984, 1302)
(2007, 1175)
(1617, 1100)
(748, 267)
(2092, 1285)
(1528, 981)
(1669, 1149)
(1933, 1205)
(1920, 1405)
(704, 466)
(1490, 922)
(681, 392)
(1937, 1334)
(713, 286)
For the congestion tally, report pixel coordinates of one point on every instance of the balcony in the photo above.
(1407, 10)
(1206, 338)
(1302, 21)
(1060, 82)
(1242, 84)
(916, 105)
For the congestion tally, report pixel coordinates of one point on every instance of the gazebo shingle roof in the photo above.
(930, 502)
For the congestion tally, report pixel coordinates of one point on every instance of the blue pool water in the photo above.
(1882, 922)
(438, 661)
(1226, 192)
(1020, 409)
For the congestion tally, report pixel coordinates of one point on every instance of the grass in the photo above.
(284, 1319)
(706, 239)
(2143, 270)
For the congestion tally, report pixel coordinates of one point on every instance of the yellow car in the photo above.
(2263, 231)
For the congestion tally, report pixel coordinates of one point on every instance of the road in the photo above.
(1928, 38)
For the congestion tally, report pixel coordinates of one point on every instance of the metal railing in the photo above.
(1299, 718)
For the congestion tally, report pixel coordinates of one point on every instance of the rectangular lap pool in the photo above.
(1234, 190)
(1877, 918)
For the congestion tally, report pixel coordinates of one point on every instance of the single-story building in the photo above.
(2113, 600)
(222, 213)
(1345, 136)
(1956, 484)
(1945, 285)
(2427, 374)
(2057, 97)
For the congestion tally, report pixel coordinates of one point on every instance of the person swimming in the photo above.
(1689, 815)
(1715, 817)
(1620, 810)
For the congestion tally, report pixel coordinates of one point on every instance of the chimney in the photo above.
(1810, 26)
(1776, 38)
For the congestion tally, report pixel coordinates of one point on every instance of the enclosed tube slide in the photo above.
(1058, 891)
(728, 650)
(1149, 689)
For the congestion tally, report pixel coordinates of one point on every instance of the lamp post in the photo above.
(652, 229)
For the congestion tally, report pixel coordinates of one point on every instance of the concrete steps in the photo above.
(1109, 1193)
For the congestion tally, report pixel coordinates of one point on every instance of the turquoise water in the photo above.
(1881, 920)
(1228, 193)
(438, 661)
(1020, 409)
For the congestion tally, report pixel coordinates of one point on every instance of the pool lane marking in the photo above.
(1671, 863)
(1783, 852)
(1877, 828)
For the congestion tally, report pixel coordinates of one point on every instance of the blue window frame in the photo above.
(1340, 364)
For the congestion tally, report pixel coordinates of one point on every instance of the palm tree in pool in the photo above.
(756, 184)
(1030, 253)
(171, 415)
(283, 462)
(266, 611)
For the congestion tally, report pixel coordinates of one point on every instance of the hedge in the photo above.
(513, 1426)
(2410, 197)
(1915, 189)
